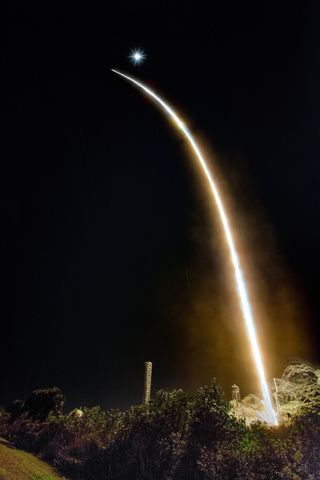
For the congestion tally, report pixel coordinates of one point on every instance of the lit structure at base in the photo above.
(269, 413)
(236, 398)
(147, 382)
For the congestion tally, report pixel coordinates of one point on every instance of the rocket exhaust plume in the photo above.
(269, 413)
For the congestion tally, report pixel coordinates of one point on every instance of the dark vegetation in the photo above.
(177, 436)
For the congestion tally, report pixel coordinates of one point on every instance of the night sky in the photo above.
(110, 254)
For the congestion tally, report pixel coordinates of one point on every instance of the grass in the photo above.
(18, 465)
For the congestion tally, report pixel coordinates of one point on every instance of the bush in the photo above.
(176, 437)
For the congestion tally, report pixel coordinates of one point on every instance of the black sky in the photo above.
(102, 214)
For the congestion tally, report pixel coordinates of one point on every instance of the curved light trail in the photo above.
(269, 413)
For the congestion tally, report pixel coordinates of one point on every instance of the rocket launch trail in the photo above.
(247, 314)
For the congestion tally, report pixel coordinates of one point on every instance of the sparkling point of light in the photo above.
(137, 56)
(269, 414)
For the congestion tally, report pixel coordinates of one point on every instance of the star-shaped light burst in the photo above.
(137, 56)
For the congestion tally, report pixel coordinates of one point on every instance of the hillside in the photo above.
(18, 465)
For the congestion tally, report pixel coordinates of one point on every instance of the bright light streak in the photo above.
(269, 414)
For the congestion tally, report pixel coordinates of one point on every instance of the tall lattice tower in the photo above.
(147, 382)
(236, 395)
